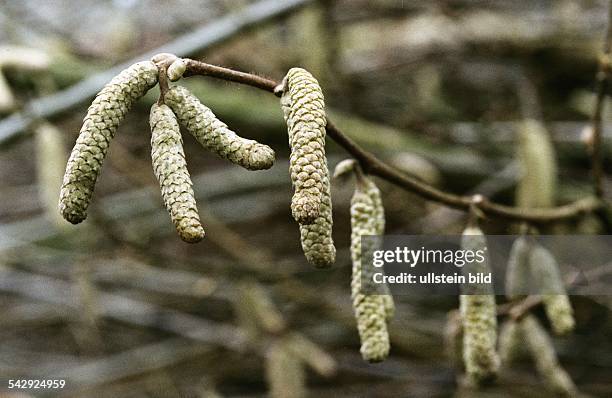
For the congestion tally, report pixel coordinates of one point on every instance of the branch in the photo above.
(602, 82)
(372, 165)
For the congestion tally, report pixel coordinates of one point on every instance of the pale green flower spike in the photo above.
(304, 111)
(536, 156)
(511, 342)
(370, 309)
(543, 353)
(285, 371)
(176, 69)
(214, 135)
(171, 171)
(103, 117)
(478, 314)
(545, 271)
(517, 274)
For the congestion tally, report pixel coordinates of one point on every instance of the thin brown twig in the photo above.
(372, 165)
(602, 83)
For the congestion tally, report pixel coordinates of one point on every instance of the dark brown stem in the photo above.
(164, 86)
(372, 165)
(602, 83)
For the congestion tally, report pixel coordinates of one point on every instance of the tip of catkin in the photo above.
(305, 208)
(71, 208)
(190, 231)
(261, 157)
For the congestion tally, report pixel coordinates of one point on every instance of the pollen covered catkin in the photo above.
(478, 314)
(103, 117)
(545, 271)
(214, 135)
(171, 171)
(543, 353)
(304, 111)
(370, 311)
(517, 273)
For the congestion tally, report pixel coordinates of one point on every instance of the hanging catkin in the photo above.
(369, 307)
(511, 342)
(171, 171)
(545, 271)
(379, 227)
(536, 155)
(304, 110)
(103, 117)
(543, 353)
(517, 273)
(284, 371)
(214, 135)
(478, 314)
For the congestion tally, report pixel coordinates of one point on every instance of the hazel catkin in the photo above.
(171, 171)
(545, 271)
(517, 273)
(543, 352)
(214, 135)
(478, 314)
(304, 111)
(285, 371)
(103, 117)
(369, 307)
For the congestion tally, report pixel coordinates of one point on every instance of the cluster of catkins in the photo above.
(179, 107)
(473, 331)
(373, 304)
(532, 268)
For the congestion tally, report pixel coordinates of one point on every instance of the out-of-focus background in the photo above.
(119, 306)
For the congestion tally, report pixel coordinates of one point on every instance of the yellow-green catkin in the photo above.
(545, 271)
(285, 371)
(50, 159)
(256, 310)
(543, 352)
(368, 305)
(379, 226)
(478, 314)
(304, 111)
(517, 273)
(511, 342)
(214, 135)
(103, 117)
(171, 171)
(536, 156)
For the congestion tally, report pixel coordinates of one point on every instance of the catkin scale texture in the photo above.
(214, 135)
(171, 171)
(545, 271)
(103, 117)
(370, 310)
(478, 314)
(316, 238)
(304, 111)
